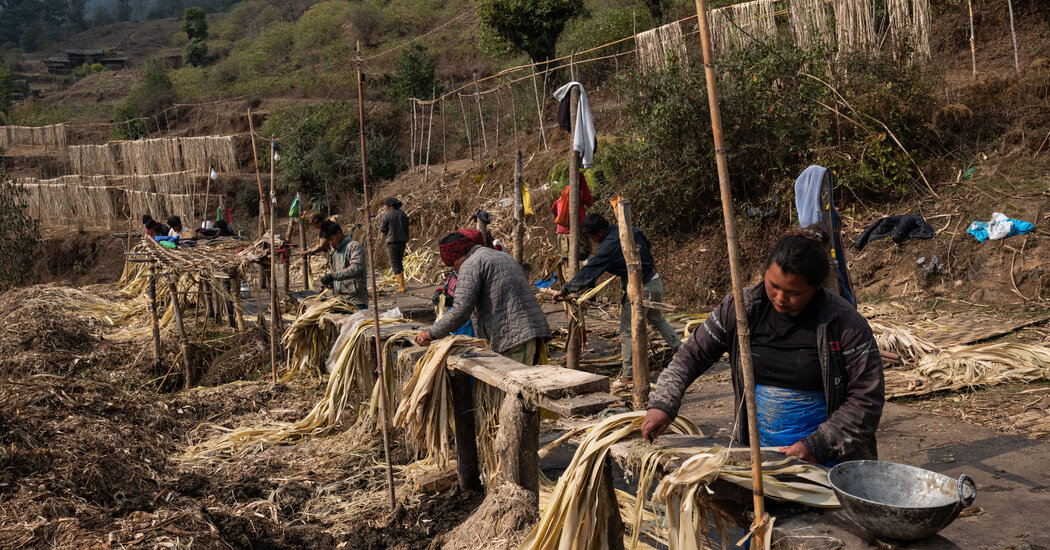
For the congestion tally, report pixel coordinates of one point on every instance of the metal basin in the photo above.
(898, 501)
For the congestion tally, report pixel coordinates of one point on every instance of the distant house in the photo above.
(79, 57)
(58, 65)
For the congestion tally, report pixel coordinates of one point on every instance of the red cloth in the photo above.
(585, 200)
(456, 249)
(474, 235)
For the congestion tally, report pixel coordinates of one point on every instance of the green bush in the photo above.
(19, 235)
(82, 71)
(190, 82)
(154, 95)
(774, 127)
(97, 68)
(32, 113)
(195, 53)
(320, 152)
(321, 25)
(532, 26)
(413, 74)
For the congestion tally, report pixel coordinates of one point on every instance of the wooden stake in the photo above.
(973, 41)
(1013, 33)
(153, 313)
(499, 112)
(235, 290)
(736, 271)
(519, 212)
(574, 345)
(481, 117)
(467, 468)
(444, 132)
(370, 255)
(636, 295)
(258, 178)
(207, 194)
(466, 127)
(307, 283)
(274, 308)
(412, 136)
(539, 108)
(430, 130)
(189, 381)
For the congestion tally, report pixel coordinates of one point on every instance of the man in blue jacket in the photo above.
(609, 259)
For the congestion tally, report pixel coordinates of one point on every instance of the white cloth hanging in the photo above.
(585, 138)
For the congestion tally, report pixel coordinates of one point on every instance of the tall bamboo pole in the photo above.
(481, 116)
(574, 345)
(466, 127)
(539, 107)
(973, 40)
(154, 324)
(736, 271)
(258, 178)
(519, 212)
(274, 311)
(370, 255)
(430, 130)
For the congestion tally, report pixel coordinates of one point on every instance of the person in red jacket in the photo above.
(563, 230)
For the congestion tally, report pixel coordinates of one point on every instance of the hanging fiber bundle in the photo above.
(809, 23)
(854, 28)
(51, 137)
(92, 159)
(718, 21)
(755, 22)
(657, 46)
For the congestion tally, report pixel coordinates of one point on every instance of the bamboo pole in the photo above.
(412, 137)
(258, 178)
(154, 324)
(370, 255)
(481, 117)
(274, 310)
(519, 212)
(635, 293)
(235, 290)
(973, 41)
(574, 346)
(207, 194)
(444, 133)
(430, 130)
(307, 283)
(736, 271)
(188, 382)
(539, 108)
(466, 127)
(1013, 33)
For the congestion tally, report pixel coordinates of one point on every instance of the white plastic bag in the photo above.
(1000, 226)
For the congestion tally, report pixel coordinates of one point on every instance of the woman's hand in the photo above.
(799, 450)
(654, 424)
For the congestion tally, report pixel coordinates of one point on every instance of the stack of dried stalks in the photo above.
(52, 137)
(657, 46)
(92, 159)
(313, 332)
(809, 23)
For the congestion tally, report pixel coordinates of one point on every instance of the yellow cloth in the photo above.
(526, 200)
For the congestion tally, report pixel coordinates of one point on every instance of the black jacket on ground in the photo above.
(910, 226)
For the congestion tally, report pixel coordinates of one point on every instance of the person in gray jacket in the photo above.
(395, 227)
(347, 275)
(494, 288)
(818, 373)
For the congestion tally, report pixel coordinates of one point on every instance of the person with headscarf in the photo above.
(492, 288)
(395, 227)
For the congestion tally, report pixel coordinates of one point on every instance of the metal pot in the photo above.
(898, 501)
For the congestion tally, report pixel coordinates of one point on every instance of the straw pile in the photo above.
(352, 366)
(657, 46)
(855, 30)
(312, 333)
(163, 155)
(92, 159)
(809, 22)
(53, 136)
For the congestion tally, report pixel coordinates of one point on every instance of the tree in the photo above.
(101, 17)
(413, 74)
(76, 16)
(123, 10)
(531, 26)
(196, 28)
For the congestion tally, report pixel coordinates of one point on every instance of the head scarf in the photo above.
(455, 250)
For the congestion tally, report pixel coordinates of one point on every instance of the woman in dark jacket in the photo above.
(818, 373)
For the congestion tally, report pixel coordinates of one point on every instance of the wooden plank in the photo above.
(581, 405)
(545, 380)
(436, 481)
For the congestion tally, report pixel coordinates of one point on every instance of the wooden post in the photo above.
(430, 130)
(444, 132)
(1013, 33)
(287, 268)
(370, 257)
(228, 303)
(235, 290)
(613, 522)
(466, 436)
(307, 283)
(635, 294)
(481, 117)
(466, 127)
(519, 212)
(736, 272)
(258, 178)
(539, 108)
(275, 311)
(190, 378)
(574, 345)
(499, 110)
(973, 41)
(207, 194)
(518, 441)
(153, 313)
(412, 136)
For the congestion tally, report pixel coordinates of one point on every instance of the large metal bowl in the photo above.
(898, 501)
